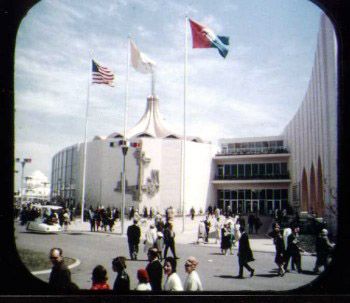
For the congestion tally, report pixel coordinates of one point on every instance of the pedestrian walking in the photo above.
(133, 234)
(172, 280)
(92, 219)
(143, 281)
(207, 225)
(324, 249)
(169, 240)
(251, 220)
(245, 254)
(192, 212)
(150, 238)
(236, 231)
(217, 227)
(280, 249)
(60, 276)
(122, 282)
(201, 231)
(232, 236)
(131, 213)
(99, 279)
(160, 244)
(294, 249)
(192, 282)
(257, 224)
(154, 269)
(225, 239)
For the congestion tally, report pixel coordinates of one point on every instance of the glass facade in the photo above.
(260, 147)
(263, 201)
(252, 171)
(63, 175)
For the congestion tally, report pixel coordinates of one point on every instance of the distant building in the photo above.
(36, 188)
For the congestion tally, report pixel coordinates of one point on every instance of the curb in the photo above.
(47, 271)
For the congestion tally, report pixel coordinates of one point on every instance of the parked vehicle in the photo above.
(47, 222)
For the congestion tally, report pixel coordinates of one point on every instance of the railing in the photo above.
(255, 177)
(255, 151)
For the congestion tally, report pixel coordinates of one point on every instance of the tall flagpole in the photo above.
(85, 149)
(183, 154)
(125, 145)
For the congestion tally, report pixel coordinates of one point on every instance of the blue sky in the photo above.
(254, 91)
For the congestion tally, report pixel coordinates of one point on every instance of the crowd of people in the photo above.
(160, 272)
(149, 278)
(101, 218)
(288, 248)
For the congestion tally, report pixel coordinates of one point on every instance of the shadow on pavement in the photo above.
(309, 272)
(226, 276)
(266, 275)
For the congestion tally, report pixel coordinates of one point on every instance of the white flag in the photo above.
(140, 61)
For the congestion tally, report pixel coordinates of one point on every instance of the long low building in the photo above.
(296, 170)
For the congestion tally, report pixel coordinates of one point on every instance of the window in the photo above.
(269, 169)
(262, 169)
(240, 170)
(277, 169)
(220, 194)
(284, 169)
(234, 170)
(220, 170)
(248, 170)
(255, 170)
(269, 194)
(284, 193)
(234, 194)
(277, 194)
(227, 170)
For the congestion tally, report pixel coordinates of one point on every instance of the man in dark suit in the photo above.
(154, 269)
(134, 234)
(245, 254)
(60, 276)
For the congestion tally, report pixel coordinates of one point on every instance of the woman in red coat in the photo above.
(99, 278)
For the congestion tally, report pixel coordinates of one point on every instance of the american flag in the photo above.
(101, 75)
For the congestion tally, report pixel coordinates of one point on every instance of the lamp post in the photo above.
(23, 163)
(27, 189)
(124, 147)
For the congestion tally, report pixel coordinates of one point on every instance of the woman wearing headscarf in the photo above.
(143, 278)
(192, 282)
(172, 280)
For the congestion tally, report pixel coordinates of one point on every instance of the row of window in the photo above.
(275, 143)
(253, 170)
(248, 194)
(260, 147)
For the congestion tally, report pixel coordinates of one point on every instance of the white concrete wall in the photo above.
(312, 133)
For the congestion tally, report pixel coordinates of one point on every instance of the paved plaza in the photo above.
(217, 272)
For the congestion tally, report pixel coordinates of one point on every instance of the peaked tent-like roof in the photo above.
(150, 125)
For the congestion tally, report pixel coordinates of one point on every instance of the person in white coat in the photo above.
(192, 282)
(150, 238)
(172, 280)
